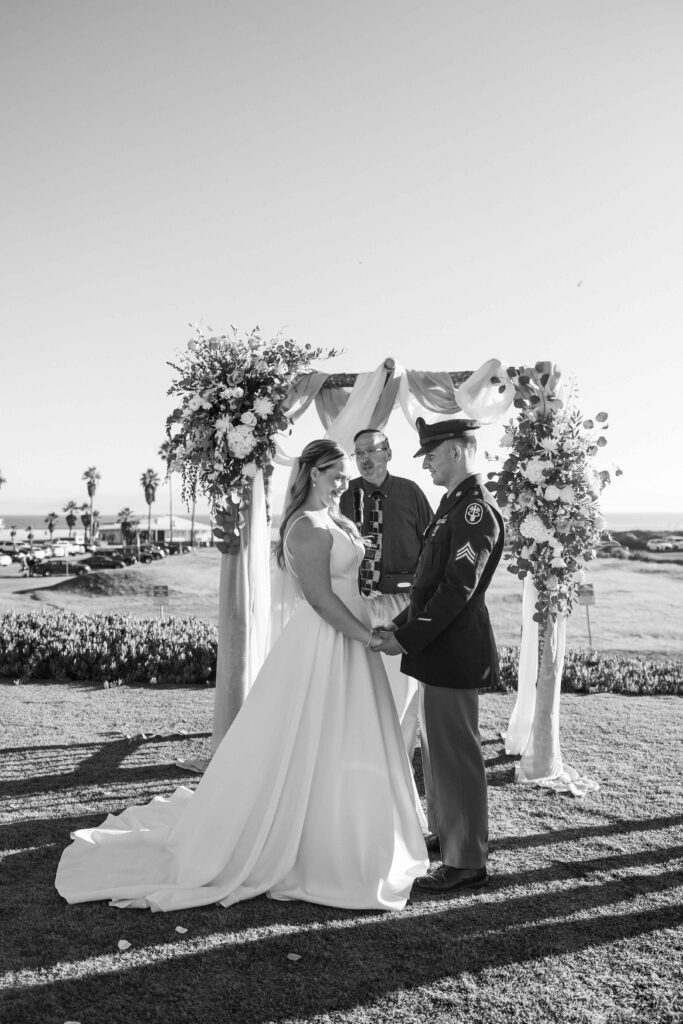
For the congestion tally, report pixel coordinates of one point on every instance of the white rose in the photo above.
(558, 563)
(533, 527)
(507, 440)
(552, 493)
(533, 471)
(241, 440)
(249, 470)
(566, 493)
(248, 418)
(552, 582)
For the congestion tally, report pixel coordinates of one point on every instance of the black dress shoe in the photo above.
(447, 879)
(433, 843)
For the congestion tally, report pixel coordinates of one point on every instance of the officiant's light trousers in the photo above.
(383, 608)
(455, 774)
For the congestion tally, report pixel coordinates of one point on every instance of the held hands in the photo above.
(384, 641)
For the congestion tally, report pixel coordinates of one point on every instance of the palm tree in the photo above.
(85, 519)
(13, 533)
(91, 476)
(150, 482)
(129, 523)
(70, 509)
(165, 454)
(51, 518)
(95, 525)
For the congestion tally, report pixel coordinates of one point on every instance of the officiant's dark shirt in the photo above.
(406, 514)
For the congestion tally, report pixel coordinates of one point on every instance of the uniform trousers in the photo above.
(454, 774)
(383, 609)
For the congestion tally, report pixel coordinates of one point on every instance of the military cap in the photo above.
(432, 434)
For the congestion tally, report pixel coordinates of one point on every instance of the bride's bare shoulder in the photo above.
(309, 529)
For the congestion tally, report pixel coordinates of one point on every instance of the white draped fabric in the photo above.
(519, 728)
(243, 615)
(541, 762)
(480, 398)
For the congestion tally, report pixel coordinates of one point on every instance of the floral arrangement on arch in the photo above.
(232, 390)
(548, 488)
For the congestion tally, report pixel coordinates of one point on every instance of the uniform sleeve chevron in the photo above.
(466, 551)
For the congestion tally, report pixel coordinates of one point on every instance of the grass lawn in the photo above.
(581, 923)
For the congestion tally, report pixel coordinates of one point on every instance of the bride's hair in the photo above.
(316, 455)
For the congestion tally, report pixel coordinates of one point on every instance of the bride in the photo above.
(310, 796)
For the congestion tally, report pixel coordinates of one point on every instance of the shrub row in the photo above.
(116, 649)
(107, 649)
(588, 671)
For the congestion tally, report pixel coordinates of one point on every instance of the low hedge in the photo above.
(116, 649)
(107, 649)
(588, 671)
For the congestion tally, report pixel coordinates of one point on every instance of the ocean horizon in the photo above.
(657, 522)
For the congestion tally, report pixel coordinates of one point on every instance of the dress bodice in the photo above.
(346, 554)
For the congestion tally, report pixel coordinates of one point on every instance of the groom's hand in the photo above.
(389, 644)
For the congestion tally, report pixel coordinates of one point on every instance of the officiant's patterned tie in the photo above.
(370, 566)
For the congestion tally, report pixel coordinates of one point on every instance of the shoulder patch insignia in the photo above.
(473, 513)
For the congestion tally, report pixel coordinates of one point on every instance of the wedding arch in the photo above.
(237, 394)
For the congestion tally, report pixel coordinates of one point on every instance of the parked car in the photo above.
(61, 548)
(613, 549)
(5, 559)
(126, 556)
(151, 554)
(659, 544)
(59, 567)
(102, 562)
(177, 547)
(676, 543)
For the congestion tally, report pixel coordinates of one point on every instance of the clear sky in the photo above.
(439, 181)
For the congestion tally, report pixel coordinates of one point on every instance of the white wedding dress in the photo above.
(310, 796)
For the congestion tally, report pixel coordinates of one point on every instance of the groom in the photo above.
(448, 644)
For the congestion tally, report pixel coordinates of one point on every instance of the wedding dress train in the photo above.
(310, 796)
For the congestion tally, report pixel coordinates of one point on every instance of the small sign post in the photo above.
(161, 595)
(587, 597)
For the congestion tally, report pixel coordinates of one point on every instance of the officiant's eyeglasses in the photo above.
(360, 452)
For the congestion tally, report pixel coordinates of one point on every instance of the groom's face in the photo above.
(372, 453)
(440, 462)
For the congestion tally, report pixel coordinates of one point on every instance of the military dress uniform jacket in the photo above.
(445, 629)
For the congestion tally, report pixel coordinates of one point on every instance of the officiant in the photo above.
(391, 513)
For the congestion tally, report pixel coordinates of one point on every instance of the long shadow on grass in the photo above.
(566, 835)
(101, 764)
(345, 963)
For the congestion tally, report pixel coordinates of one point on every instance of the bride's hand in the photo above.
(376, 641)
